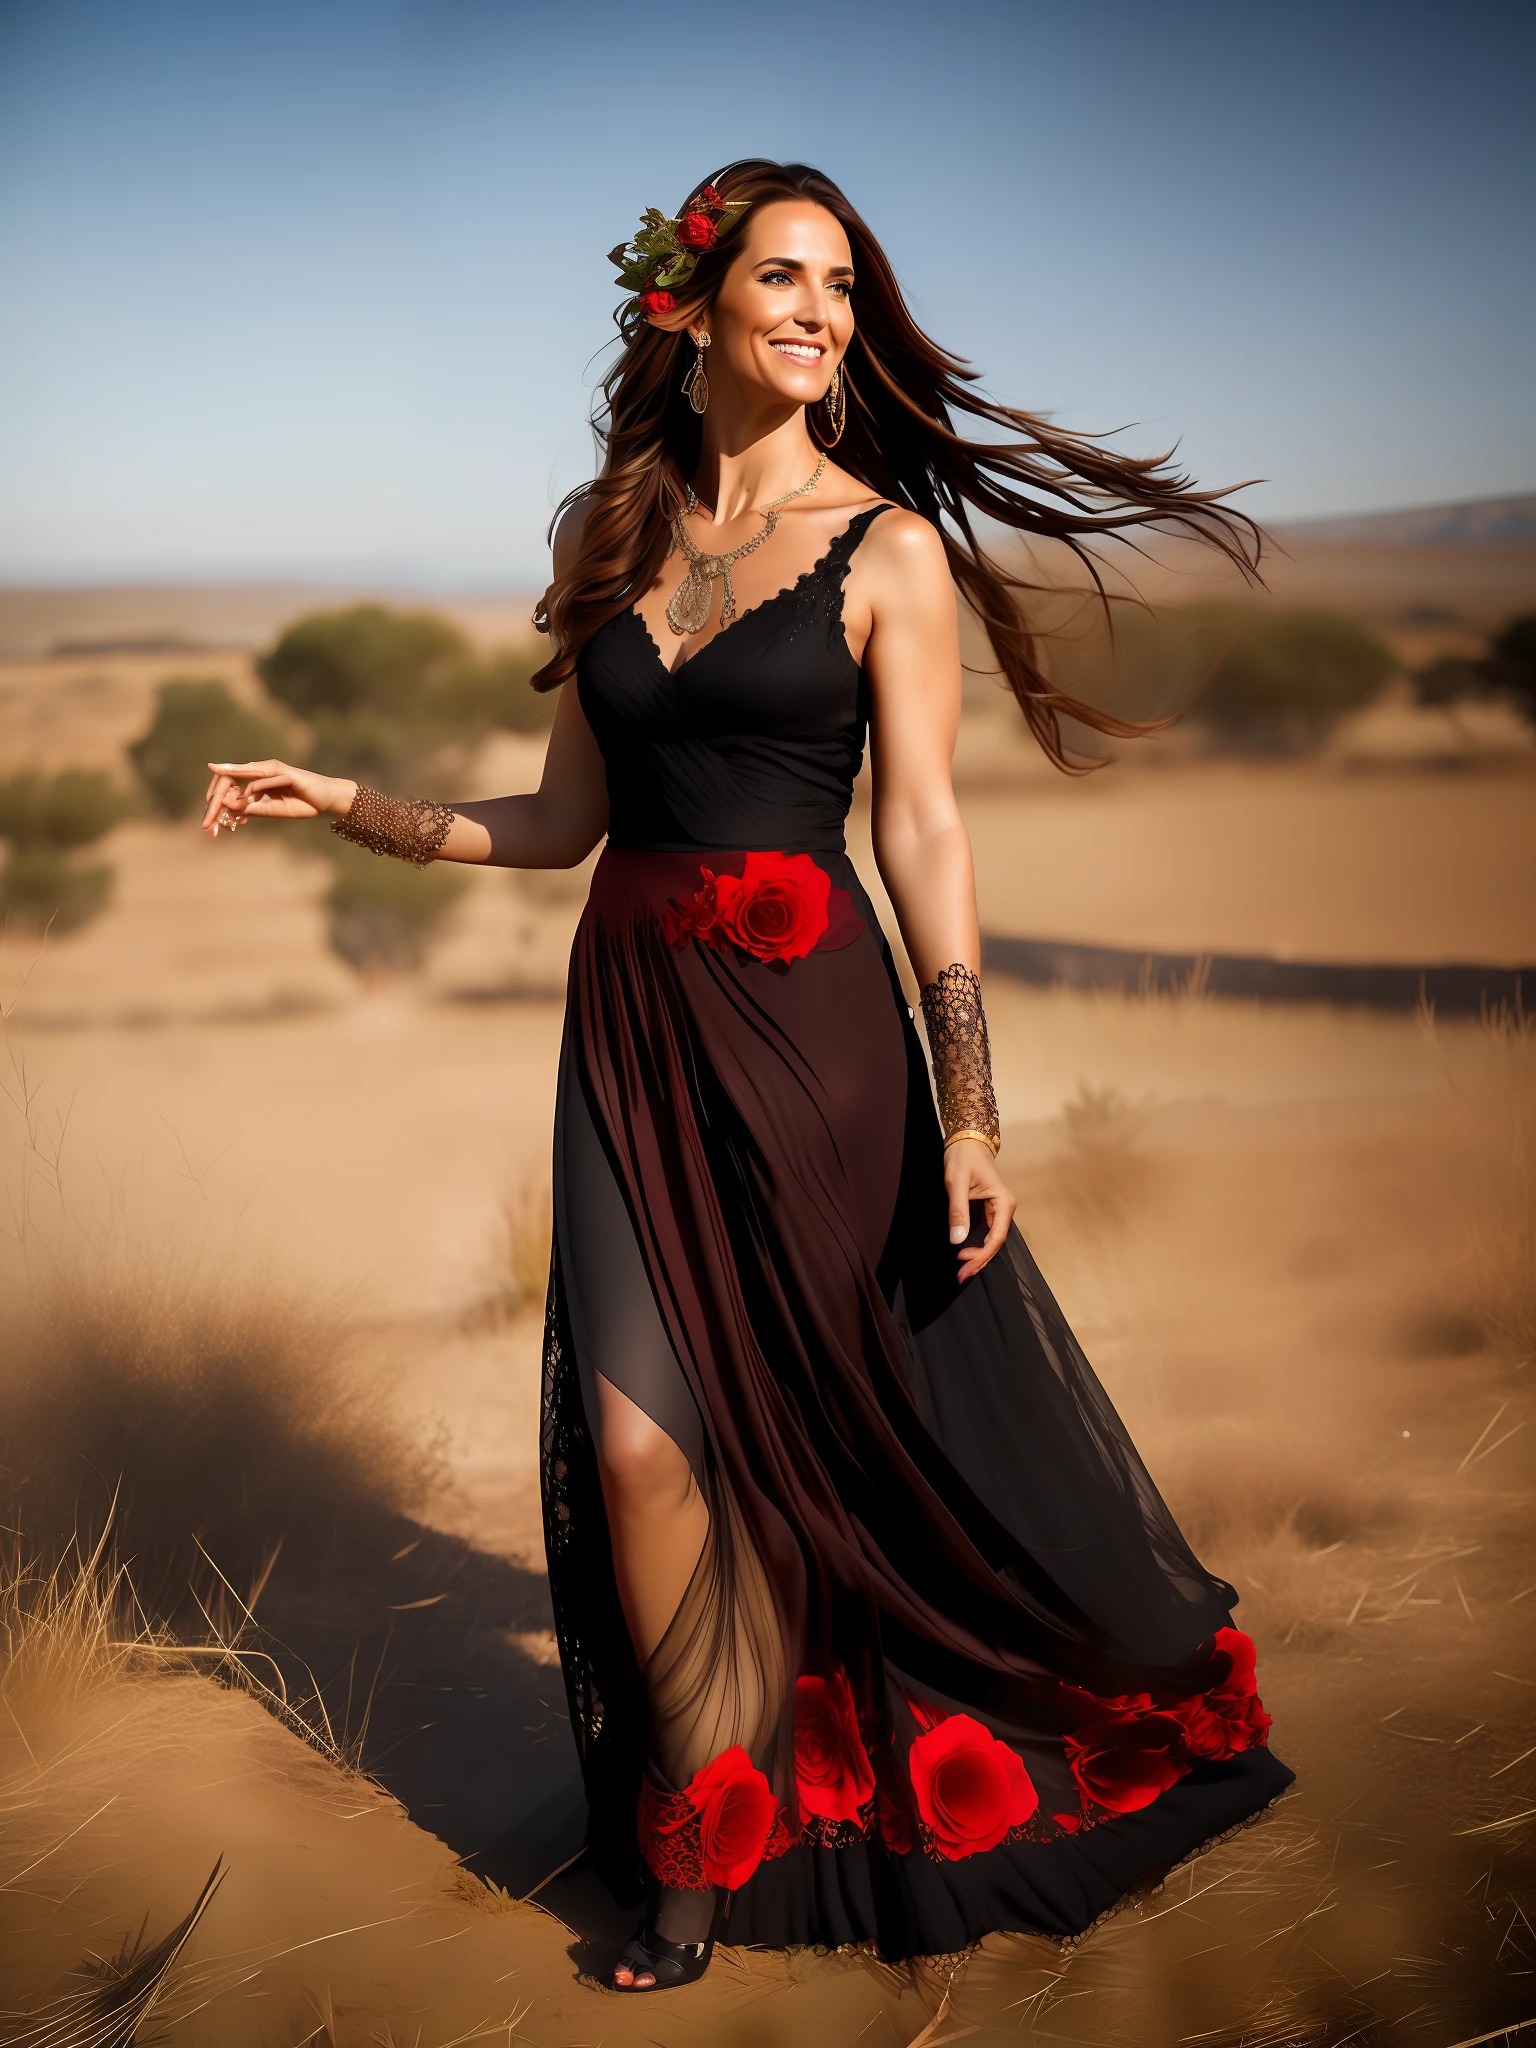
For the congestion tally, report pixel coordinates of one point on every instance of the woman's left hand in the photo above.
(971, 1175)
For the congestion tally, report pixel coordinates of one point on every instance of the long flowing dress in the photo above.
(946, 1664)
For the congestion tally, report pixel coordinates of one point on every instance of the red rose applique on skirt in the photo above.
(778, 909)
(717, 1830)
(972, 1790)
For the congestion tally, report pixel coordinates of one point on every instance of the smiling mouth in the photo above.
(799, 351)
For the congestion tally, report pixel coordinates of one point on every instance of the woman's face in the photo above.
(783, 317)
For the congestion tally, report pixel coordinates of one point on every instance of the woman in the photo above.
(874, 1627)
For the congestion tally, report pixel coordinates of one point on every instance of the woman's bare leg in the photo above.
(657, 1516)
(659, 1523)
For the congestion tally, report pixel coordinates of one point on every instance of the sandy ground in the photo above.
(1298, 1244)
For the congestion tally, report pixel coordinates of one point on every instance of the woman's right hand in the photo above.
(271, 789)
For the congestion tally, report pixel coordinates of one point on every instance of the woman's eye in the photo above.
(776, 277)
(842, 286)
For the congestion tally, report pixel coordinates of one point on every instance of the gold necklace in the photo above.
(689, 609)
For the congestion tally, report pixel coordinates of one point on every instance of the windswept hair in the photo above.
(904, 396)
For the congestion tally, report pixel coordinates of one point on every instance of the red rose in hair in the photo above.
(971, 1788)
(710, 196)
(777, 910)
(1124, 1763)
(832, 1773)
(736, 1810)
(696, 231)
(655, 302)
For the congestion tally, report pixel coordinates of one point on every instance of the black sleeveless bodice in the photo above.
(754, 742)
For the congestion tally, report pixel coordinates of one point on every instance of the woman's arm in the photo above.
(555, 826)
(912, 660)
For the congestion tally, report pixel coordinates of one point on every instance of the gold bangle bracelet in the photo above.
(980, 1136)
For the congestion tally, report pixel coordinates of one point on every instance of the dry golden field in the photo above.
(270, 1267)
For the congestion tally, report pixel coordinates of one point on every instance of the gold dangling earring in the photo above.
(836, 402)
(696, 384)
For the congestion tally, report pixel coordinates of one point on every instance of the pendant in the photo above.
(689, 610)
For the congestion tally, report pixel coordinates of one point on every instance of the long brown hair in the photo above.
(903, 394)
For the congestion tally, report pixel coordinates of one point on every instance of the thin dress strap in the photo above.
(838, 559)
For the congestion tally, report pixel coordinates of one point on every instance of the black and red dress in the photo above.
(946, 1664)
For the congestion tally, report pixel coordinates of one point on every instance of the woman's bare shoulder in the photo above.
(905, 536)
(903, 551)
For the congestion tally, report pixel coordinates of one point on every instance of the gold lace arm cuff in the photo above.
(962, 1056)
(407, 828)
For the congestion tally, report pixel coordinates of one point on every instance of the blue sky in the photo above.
(319, 289)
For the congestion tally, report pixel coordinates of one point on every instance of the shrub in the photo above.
(1251, 673)
(61, 811)
(196, 721)
(390, 753)
(366, 658)
(41, 888)
(383, 914)
(44, 819)
(1298, 668)
(1513, 663)
(493, 694)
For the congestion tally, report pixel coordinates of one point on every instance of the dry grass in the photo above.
(1247, 1309)
(527, 1226)
(1497, 1111)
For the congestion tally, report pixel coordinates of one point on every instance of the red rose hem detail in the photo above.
(717, 1830)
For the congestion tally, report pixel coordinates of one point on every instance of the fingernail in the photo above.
(958, 1234)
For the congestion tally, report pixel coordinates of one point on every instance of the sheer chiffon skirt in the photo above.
(945, 1664)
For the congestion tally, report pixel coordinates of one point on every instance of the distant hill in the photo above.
(1485, 522)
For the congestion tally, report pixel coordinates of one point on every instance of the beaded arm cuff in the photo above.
(962, 1058)
(409, 828)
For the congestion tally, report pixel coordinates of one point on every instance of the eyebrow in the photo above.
(795, 263)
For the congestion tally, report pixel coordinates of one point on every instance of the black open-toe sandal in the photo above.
(669, 1963)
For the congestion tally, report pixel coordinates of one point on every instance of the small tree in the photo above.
(44, 820)
(196, 721)
(493, 694)
(1513, 663)
(367, 658)
(1292, 672)
(1254, 675)
(383, 914)
(398, 700)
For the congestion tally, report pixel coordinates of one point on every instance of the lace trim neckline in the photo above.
(851, 534)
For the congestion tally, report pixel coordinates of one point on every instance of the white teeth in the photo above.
(790, 348)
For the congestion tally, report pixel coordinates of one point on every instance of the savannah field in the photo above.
(274, 1236)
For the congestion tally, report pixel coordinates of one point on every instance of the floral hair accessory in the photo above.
(664, 251)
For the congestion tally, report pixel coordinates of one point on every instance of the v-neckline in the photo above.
(775, 597)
